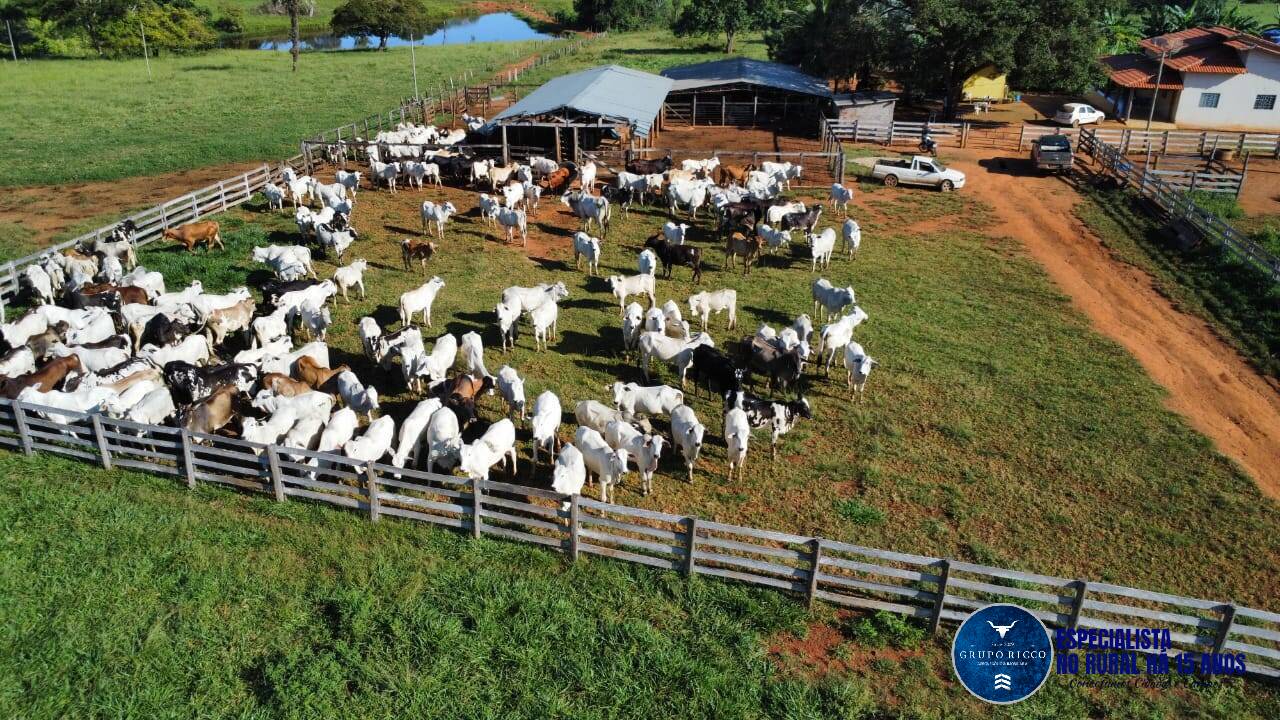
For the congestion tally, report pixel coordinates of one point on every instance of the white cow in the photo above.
(496, 445)
(437, 214)
(829, 298)
(545, 422)
(687, 434)
(633, 324)
(773, 238)
(489, 207)
(840, 197)
(644, 450)
(586, 246)
(473, 355)
(544, 318)
(420, 300)
(508, 324)
(737, 433)
(838, 334)
(775, 213)
(632, 398)
(703, 304)
(569, 474)
(857, 365)
(349, 276)
(674, 233)
(514, 221)
(357, 396)
(648, 262)
(678, 353)
(374, 443)
(851, 234)
(444, 439)
(821, 246)
(624, 287)
(411, 431)
(600, 459)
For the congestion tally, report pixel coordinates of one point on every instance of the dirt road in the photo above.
(1208, 382)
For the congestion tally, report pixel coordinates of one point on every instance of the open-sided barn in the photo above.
(744, 92)
(601, 106)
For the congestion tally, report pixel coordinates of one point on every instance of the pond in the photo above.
(494, 27)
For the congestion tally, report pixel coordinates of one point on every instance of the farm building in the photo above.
(871, 107)
(1208, 77)
(744, 92)
(986, 83)
(607, 105)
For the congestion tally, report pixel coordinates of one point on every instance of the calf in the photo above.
(193, 234)
(780, 418)
(420, 250)
(703, 304)
(838, 334)
(644, 450)
(858, 364)
(851, 234)
(438, 215)
(236, 318)
(623, 287)
(349, 276)
(840, 197)
(687, 434)
(671, 255)
(739, 245)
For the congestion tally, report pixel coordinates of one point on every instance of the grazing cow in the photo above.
(746, 247)
(544, 424)
(649, 167)
(851, 234)
(514, 221)
(473, 354)
(508, 322)
(647, 264)
(821, 246)
(420, 250)
(420, 300)
(715, 371)
(600, 459)
(671, 255)
(337, 433)
(409, 443)
(840, 197)
(669, 350)
(349, 276)
(831, 299)
(569, 474)
(624, 287)
(802, 220)
(703, 304)
(280, 257)
(590, 208)
(544, 318)
(511, 387)
(375, 443)
(437, 214)
(690, 195)
(687, 434)
(586, 246)
(434, 366)
(631, 398)
(193, 234)
(857, 365)
(496, 445)
(838, 334)
(597, 416)
(737, 434)
(644, 450)
(270, 430)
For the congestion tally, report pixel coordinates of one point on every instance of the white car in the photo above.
(919, 170)
(1078, 114)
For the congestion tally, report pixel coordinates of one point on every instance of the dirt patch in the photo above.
(821, 650)
(1209, 384)
(485, 7)
(48, 210)
(1261, 193)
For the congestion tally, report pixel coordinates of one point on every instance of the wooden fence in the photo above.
(934, 590)
(895, 133)
(1173, 199)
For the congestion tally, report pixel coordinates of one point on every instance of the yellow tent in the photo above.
(986, 82)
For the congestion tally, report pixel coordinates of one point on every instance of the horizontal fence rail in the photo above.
(933, 590)
(1171, 197)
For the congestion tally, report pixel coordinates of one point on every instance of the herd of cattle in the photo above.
(105, 335)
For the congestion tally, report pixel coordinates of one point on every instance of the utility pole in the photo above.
(13, 47)
(147, 56)
(1165, 48)
(413, 56)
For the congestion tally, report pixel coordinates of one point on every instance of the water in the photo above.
(494, 27)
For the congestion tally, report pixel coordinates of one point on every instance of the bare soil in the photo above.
(1209, 384)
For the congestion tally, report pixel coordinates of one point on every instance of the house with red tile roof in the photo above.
(1213, 77)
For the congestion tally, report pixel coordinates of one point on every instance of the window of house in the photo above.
(1209, 100)
(1264, 102)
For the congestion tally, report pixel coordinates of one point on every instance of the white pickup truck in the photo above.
(919, 170)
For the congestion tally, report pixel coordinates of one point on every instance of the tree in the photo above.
(294, 7)
(730, 17)
(380, 19)
(1058, 47)
(1120, 31)
(599, 15)
(866, 31)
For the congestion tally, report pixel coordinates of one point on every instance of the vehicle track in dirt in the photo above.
(1208, 382)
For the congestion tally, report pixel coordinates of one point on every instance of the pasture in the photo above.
(997, 418)
(126, 595)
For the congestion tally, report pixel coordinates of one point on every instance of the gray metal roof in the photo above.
(609, 91)
(746, 70)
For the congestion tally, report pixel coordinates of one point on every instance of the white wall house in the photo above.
(1212, 78)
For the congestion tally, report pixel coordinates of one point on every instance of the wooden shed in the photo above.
(870, 107)
(744, 92)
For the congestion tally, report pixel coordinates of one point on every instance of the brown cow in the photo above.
(284, 385)
(559, 180)
(416, 250)
(747, 247)
(734, 173)
(45, 379)
(192, 234)
(315, 374)
(238, 317)
(128, 293)
(210, 414)
(466, 387)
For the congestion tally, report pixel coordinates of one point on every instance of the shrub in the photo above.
(858, 513)
(168, 27)
(886, 628)
(231, 21)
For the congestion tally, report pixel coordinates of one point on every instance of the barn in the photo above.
(745, 93)
(607, 106)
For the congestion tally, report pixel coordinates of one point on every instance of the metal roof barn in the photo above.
(613, 94)
(745, 93)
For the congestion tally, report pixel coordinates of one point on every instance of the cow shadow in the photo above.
(574, 342)
(386, 315)
(401, 230)
(586, 303)
(550, 264)
(283, 237)
(597, 283)
(459, 328)
(769, 315)
(622, 370)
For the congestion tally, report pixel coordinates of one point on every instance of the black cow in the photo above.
(79, 301)
(649, 167)
(188, 382)
(162, 330)
(712, 369)
(271, 291)
(807, 220)
(777, 416)
(672, 255)
(781, 367)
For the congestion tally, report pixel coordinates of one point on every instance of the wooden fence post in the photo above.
(1022, 134)
(188, 461)
(277, 483)
(24, 433)
(222, 195)
(1224, 628)
(1244, 173)
(1082, 589)
(104, 450)
(841, 168)
(371, 485)
(815, 546)
(477, 493)
(964, 135)
(935, 619)
(574, 511)
(689, 564)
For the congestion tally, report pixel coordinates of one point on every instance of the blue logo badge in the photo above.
(1002, 654)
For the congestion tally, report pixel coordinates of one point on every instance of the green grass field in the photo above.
(102, 119)
(127, 596)
(1267, 13)
(996, 420)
